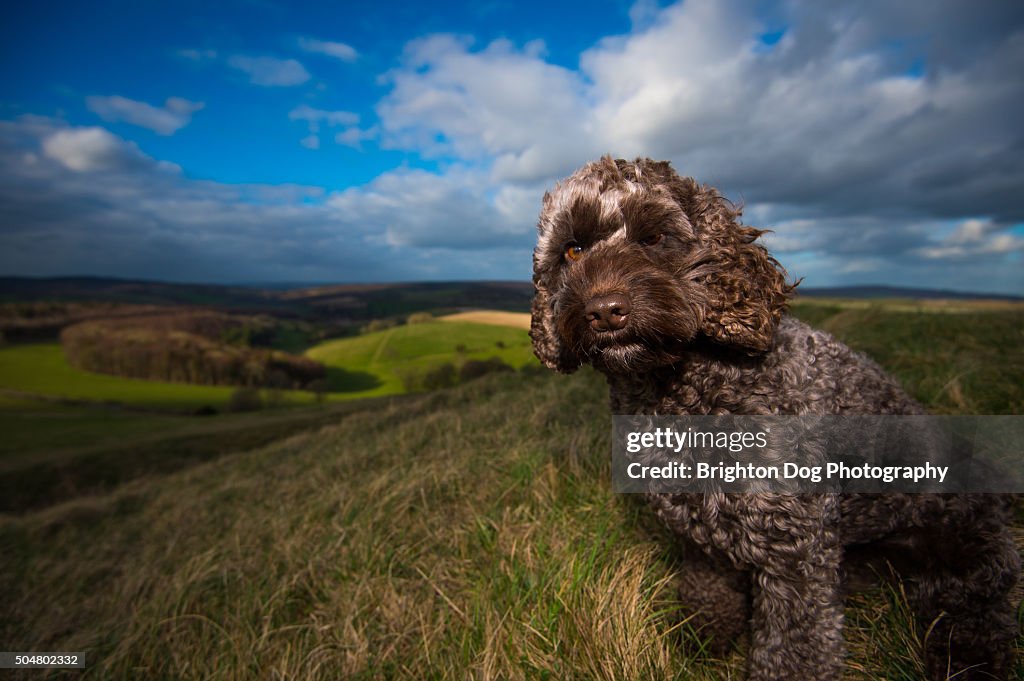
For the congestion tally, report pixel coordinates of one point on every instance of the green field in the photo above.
(41, 369)
(373, 364)
(35, 430)
(365, 366)
(955, 359)
(65, 430)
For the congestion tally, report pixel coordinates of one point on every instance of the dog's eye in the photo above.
(574, 252)
(651, 240)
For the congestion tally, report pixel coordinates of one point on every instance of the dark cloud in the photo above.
(865, 135)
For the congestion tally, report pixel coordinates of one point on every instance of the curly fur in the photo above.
(703, 329)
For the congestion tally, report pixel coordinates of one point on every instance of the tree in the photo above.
(245, 399)
(419, 318)
(319, 388)
(441, 376)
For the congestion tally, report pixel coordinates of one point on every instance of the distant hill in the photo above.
(898, 292)
(26, 289)
(344, 301)
(360, 301)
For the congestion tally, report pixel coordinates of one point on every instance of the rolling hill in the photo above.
(381, 363)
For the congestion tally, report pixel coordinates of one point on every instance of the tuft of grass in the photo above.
(881, 629)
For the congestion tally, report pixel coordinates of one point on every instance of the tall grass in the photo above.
(460, 534)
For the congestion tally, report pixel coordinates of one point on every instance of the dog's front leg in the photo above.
(797, 626)
(797, 607)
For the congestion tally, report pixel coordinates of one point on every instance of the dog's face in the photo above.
(634, 263)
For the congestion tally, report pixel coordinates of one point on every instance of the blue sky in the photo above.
(267, 141)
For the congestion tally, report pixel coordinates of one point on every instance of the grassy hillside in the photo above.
(373, 364)
(467, 533)
(54, 452)
(958, 358)
(69, 432)
(36, 430)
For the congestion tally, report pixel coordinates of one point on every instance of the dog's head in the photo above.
(634, 263)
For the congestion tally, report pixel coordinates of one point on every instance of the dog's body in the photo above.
(652, 279)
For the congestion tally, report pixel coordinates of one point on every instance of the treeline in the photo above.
(206, 348)
(43, 320)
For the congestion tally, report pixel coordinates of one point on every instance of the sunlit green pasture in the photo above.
(42, 369)
(373, 364)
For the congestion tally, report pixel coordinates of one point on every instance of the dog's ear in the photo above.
(748, 297)
(746, 287)
(546, 342)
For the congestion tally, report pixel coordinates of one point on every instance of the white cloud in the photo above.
(337, 50)
(354, 136)
(500, 103)
(973, 237)
(414, 208)
(971, 232)
(315, 117)
(270, 71)
(807, 121)
(89, 149)
(62, 216)
(175, 114)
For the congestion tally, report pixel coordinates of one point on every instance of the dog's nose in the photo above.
(608, 313)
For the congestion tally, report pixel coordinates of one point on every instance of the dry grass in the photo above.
(408, 543)
(518, 320)
(461, 536)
